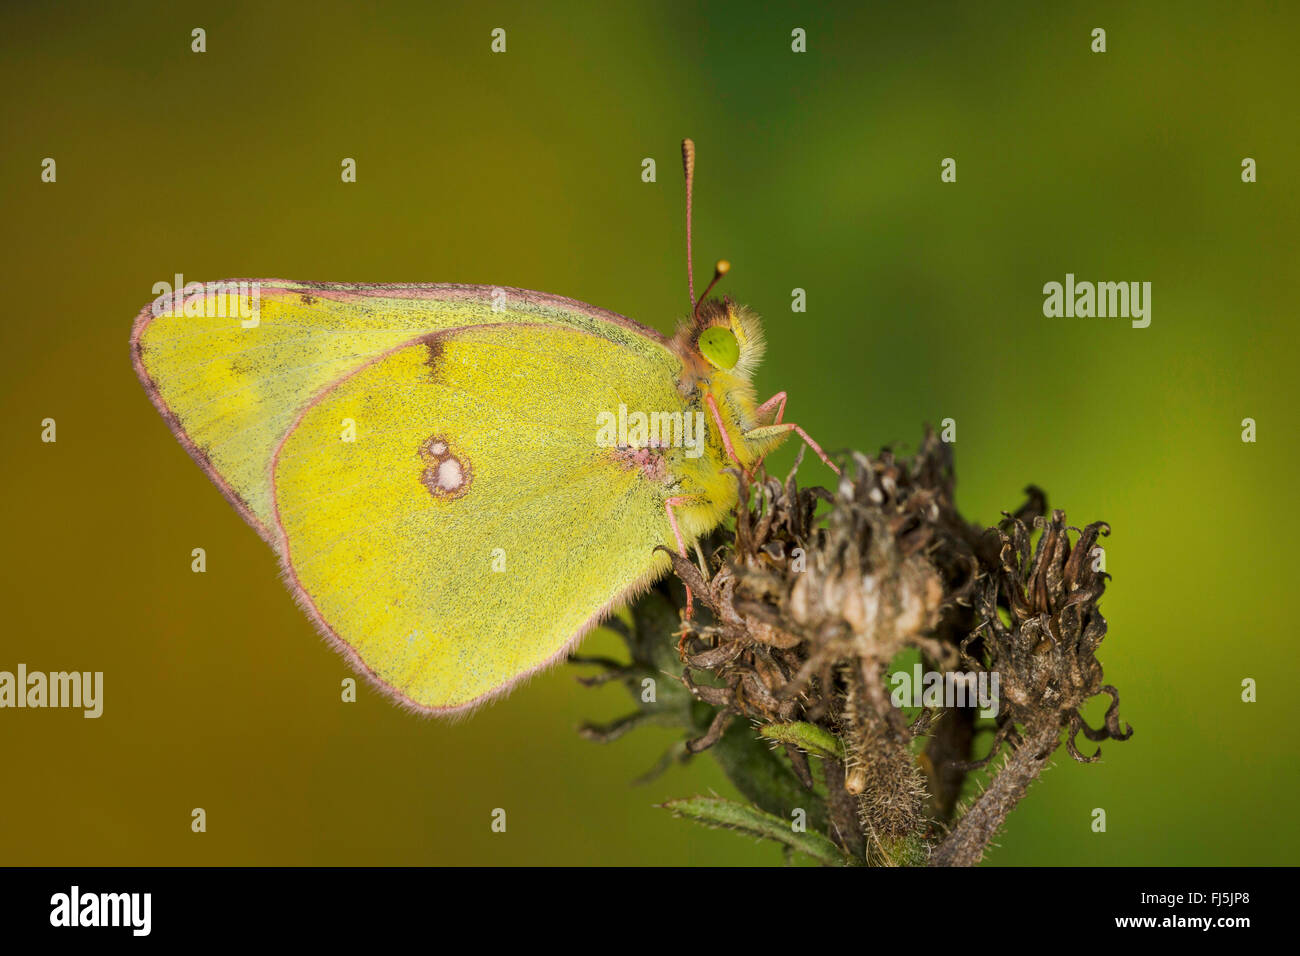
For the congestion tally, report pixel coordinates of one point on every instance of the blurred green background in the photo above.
(818, 171)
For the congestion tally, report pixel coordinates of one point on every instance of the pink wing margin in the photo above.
(351, 291)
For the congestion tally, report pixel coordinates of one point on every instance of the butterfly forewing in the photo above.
(231, 371)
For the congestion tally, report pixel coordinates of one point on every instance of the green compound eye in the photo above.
(720, 347)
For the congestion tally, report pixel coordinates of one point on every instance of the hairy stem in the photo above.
(966, 843)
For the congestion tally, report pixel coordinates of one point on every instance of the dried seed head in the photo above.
(807, 613)
(1045, 649)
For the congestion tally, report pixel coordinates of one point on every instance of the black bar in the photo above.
(333, 905)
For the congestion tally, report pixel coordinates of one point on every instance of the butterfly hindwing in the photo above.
(473, 528)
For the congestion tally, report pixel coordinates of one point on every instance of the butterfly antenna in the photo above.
(719, 270)
(688, 166)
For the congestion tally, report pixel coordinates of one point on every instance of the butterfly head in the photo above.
(724, 337)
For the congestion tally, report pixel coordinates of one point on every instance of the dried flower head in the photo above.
(1045, 650)
(808, 602)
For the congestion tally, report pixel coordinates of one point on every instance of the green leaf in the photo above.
(807, 737)
(764, 777)
(729, 815)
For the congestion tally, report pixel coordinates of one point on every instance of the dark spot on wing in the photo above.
(434, 359)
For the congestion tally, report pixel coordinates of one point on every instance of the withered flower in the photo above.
(811, 598)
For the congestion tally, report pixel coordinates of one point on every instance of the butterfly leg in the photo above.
(779, 401)
(726, 439)
(681, 544)
(771, 431)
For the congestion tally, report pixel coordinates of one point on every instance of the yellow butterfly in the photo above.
(460, 481)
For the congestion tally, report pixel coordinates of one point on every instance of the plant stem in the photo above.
(966, 844)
